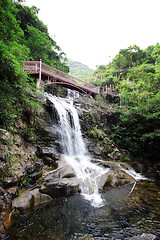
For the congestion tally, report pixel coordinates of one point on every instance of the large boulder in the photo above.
(114, 178)
(24, 204)
(61, 187)
(29, 200)
(40, 199)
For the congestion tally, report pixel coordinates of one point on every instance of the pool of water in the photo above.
(121, 217)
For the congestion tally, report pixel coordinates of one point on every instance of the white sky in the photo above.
(89, 31)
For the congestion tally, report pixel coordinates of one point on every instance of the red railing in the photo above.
(37, 67)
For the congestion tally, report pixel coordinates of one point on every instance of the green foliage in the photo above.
(89, 117)
(137, 73)
(22, 37)
(97, 133)
(37, 39)
(9, 157)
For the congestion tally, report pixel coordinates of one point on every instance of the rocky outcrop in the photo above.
(61, 182)
(97, 119)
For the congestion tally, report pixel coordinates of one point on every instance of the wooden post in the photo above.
(40, 68)
(38, 80)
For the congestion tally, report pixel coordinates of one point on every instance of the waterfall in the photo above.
(72, 94)
(74, 150)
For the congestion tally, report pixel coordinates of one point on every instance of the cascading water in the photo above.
(72, 94)
(74, 150)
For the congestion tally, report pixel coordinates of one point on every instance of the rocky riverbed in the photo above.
(33, 172)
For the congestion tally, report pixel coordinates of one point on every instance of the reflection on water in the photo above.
(73, 217)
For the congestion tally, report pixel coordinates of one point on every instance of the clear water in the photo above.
(74, 217)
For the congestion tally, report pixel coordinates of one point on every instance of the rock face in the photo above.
(49, 155)
(97, 119)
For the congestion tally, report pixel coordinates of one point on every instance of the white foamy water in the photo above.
(75, 153)
(134, 174)
(74, 150)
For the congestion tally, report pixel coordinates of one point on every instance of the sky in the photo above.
(93, 31)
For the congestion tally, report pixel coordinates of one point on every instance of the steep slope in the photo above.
(79, 70)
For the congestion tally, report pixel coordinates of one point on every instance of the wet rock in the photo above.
(35, 176)
(2, 231)
(49, 132)
(66, 172)
(144, 236)
(91, 147)
(5, 213)
(83, 238)
(114, 178)
(40, 198)
(48, 176)
(62, 187)
(24, 204)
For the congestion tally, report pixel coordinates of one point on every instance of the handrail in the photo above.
(37, 67)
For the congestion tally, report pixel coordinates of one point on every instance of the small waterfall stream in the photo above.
(74, 150)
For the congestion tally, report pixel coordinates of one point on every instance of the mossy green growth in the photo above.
(97, 133)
